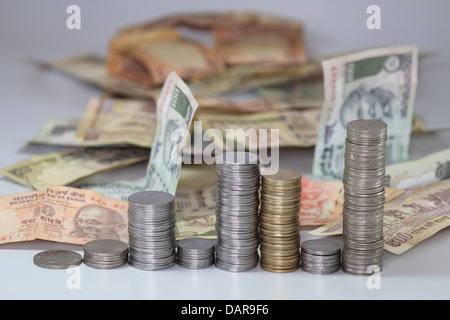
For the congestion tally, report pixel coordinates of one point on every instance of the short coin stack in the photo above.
(151, 229)
(105, 253)
(279, 221)
(237, 208)
(365, 152)
(195, 253)
(320, 256)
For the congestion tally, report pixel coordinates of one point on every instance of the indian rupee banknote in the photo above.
(374, 84)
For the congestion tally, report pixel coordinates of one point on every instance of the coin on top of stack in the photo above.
(365, 153)
(151, 230)
(279, 221)
(105, 253)
(237, 209)
(195, 253)
(320, 256)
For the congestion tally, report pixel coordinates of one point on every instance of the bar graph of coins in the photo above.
(279, 222)
(365, 153)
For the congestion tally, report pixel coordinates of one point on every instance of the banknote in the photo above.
(322, 201)
(415, 215)
(62, 214)
(375, 84)
(57, 131)
(433, 167)
(77, 216)
(69, 166)
(91, 68)
(109, 121)
(294, 94)
(297, 128)
(174, 113)
(195, 202)
(147, 56)
(147, 53)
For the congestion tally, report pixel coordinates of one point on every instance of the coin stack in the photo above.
(279, 221)
(151, 229)
(105, 253)
(365, 152)
(237, 209)
(195, 253)
(320, 256)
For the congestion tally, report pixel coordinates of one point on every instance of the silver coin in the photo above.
(369, 127)
(57, 259)
(321, 247)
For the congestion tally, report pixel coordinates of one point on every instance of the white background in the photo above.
(37, 30)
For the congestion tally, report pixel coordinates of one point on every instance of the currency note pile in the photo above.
(234, 39)
(279, 224)
(251, 69)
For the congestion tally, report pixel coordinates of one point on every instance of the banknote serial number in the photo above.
(229, 309)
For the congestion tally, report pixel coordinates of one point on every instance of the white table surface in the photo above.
(37, 29)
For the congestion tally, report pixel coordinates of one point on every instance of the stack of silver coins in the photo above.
(365, 154)
(237, 209)
(195, 253)
(320, 256)
(151, 229)
(105, 253)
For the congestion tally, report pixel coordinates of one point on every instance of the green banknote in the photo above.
(174, 113)
(374, 84)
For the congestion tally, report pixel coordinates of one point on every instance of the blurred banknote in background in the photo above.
(375, 84)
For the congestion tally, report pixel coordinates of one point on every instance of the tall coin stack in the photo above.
(151, 229)
(279, 221)
(237, 208)
(365, 153)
